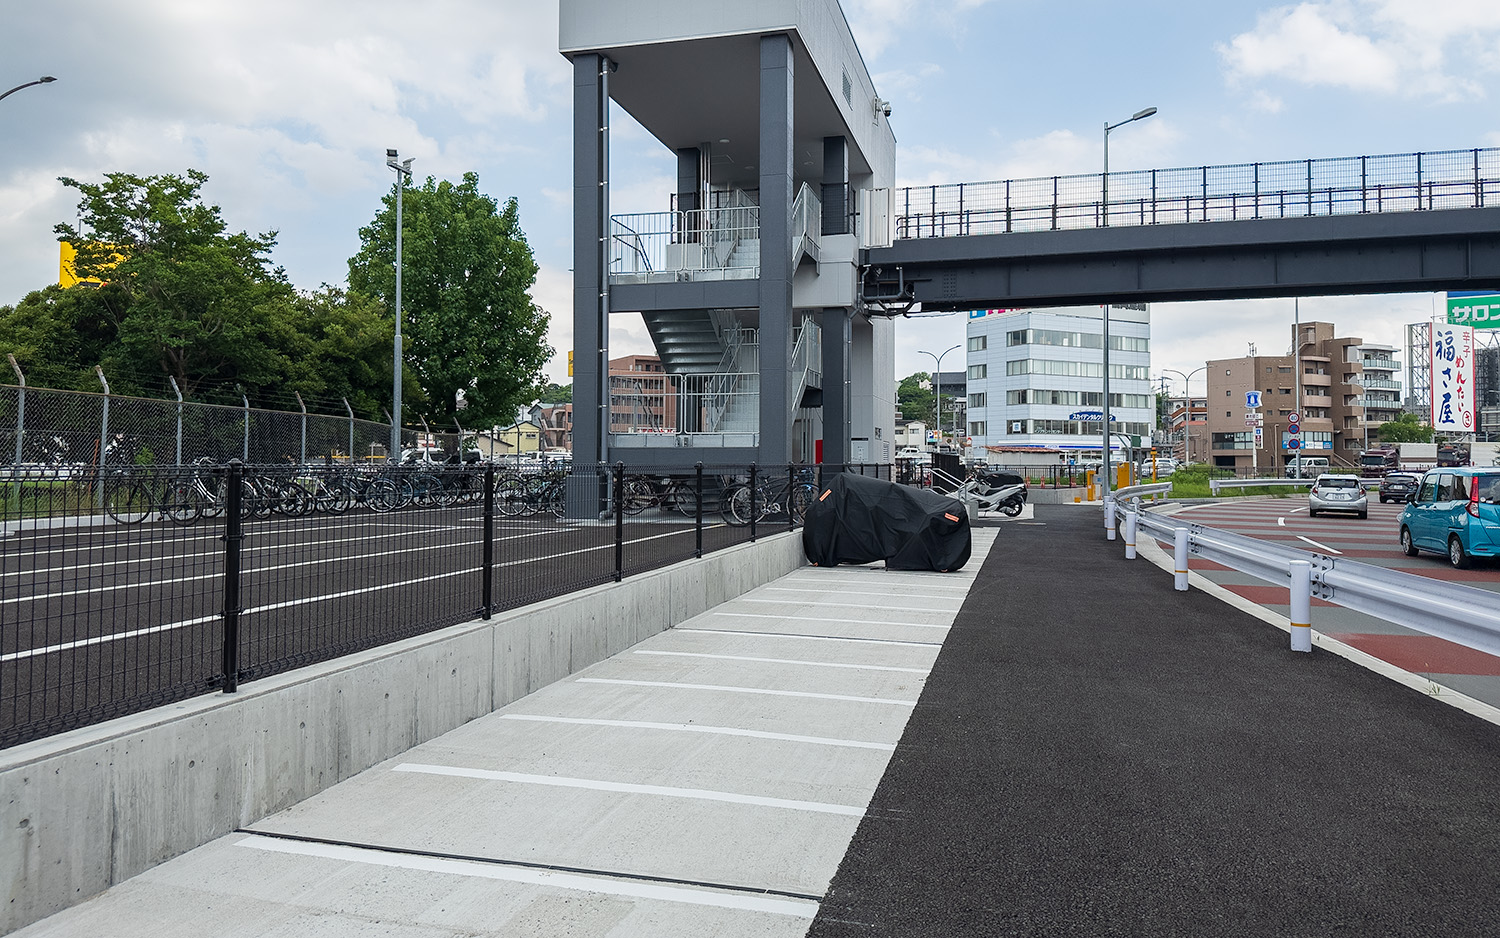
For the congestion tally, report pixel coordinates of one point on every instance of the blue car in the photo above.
(1456, 512)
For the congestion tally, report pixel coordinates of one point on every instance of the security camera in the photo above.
(882, 106)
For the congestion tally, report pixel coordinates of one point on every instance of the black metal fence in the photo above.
(137, 586)
(1400, 182)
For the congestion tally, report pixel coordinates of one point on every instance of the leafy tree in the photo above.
(1406, 428)
(346, 351)
(182, 294)
(916, 401)
(469, 322)
(59, 335)
(556, 394)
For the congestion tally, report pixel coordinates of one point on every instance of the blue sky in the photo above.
(289, 107)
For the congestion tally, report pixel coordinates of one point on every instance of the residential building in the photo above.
(1381, 389)
(1035, 378)
(1186, 430)
(641, 397)
(1330, 415)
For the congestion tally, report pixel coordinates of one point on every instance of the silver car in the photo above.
(1337, 493)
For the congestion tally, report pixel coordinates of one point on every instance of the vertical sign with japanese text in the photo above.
(1453, 404)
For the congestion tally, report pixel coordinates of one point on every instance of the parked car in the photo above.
(1456, 512)
(1398, 487)
(1306, 467)
(1165, 466)
(1337, 493)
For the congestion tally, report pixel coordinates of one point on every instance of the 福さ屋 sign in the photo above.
(1453, 399)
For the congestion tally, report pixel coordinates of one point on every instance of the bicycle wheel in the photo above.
(127, 502)
(182, 503)
(555, 499)
(683, 496)
(637, 496)
(802, 496)
(734, 505)
(510, 497)
(383, 495)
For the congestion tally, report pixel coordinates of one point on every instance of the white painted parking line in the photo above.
(905, 594)
(810, 664)
(1322, 547)
(863, 582)
(99, 640)
(728, 689)
(799, 602)
(811, 638)
(757, 615)
(629, 788)
(709, 730)
(531, 876)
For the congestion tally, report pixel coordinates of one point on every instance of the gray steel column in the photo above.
(776, 114)
(835, 323)
(835, 196)
(689, 185)
(590, 278)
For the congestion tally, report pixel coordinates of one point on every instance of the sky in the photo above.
(289, 107)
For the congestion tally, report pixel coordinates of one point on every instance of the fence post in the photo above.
(1301, 612)
(20, 406)
(619, 521)
(103, 433)
(1132, 522)
(752, 503)
(233, 534)
(698, 509)
(1109, 517)
(246, 399)
(1180, 560)
(350, 411)
(791, 479)
(302, 451)
(489, 539)
(178, 391)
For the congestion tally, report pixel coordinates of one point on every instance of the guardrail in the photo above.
(1216, 484)
(1451, 611)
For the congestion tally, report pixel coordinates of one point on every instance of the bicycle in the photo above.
(788, 498)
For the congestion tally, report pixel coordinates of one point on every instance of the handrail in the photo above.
(1452, 611)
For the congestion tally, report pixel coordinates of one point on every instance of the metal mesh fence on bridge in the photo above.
(1401, 182)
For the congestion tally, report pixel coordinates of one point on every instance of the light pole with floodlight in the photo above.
(1187, 393)
(403, 173)
(40, 81)
(937, 382)
(1104, 212)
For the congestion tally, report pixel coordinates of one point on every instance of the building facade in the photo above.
(1035, 378)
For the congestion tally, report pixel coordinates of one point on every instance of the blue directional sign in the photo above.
(1252, 400)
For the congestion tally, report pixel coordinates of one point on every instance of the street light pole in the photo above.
(1104, 211)
(40, 81)
(1187, 394)
(403, 173)
(937, 380)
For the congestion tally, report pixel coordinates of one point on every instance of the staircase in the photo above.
(687, 340)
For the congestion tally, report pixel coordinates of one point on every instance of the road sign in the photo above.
(1251, 422)
(1480, 311)
(1294, 428)
(1252, 400)
(1255, 416)
(1259, 437)
(1294, 417)
(1293, 443)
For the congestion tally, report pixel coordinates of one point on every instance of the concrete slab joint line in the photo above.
(1160, 558)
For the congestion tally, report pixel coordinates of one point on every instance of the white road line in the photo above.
(710, 730)
(907, 594)
(99, 640)
(798, 602)
(757, 615)
(603, 885)
(1323, 547)
(628, 788)
(866, 582)
(812, 638)
(810, 664)
(749, 690)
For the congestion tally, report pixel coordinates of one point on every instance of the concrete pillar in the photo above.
(835, 323)
(590, 278)
(835, 195)
(689, 179)
(777, 75)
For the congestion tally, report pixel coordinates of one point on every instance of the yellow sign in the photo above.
(66, 275)
(570, 363)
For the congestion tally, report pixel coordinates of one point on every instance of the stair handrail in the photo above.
(635, 245)
(807, 222)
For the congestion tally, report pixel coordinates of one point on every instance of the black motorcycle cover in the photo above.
(860, 519)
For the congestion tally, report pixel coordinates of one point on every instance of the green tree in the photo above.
(346, 341)
(469, 322)
(556, 394)
(917, 402)
(59, 335)
(1406, 428)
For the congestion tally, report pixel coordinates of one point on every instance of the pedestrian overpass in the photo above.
(1411, 222)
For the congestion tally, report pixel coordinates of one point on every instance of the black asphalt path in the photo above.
(1096, 754)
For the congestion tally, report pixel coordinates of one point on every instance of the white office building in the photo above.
(1035, 378)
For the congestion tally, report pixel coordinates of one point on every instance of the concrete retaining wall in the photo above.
(84, 810)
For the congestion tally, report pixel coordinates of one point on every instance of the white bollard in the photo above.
(1109, 517)
(1132, 524)
(1301, 572)
(1180, 561)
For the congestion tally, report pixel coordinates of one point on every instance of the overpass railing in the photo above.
(1354, 185)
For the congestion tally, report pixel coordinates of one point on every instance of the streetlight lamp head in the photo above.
(46, 78)
(391, 155)
(1141, 115)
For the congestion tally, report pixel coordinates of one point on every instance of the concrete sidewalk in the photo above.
(705, 782)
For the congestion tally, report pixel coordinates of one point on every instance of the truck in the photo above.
(1484, 454)
(1418, 457)
(1374, 463)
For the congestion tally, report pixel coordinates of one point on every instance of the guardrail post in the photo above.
(233, 528)
(1132, 522)
(1109, 517)
(698, 509)
(1301, 613)
(619, 521)
(486, 592)
(1180, 560)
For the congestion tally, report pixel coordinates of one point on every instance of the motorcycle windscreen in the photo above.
(859, 519)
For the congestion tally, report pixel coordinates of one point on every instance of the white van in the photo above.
(1310, 467)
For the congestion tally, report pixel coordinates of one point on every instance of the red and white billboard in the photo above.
(1453, 404)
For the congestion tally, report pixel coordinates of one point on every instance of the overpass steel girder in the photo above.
(1318, 256)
